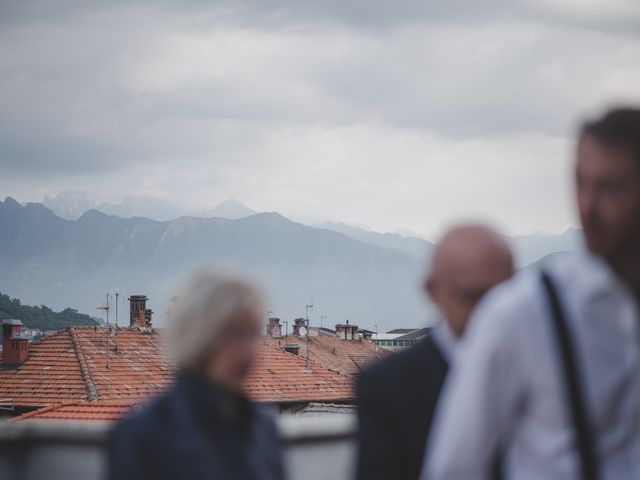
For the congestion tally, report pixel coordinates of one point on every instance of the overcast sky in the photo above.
(392, 114)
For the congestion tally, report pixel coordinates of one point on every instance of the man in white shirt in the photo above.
(508, 388)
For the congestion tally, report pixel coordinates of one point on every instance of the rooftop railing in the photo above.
(316, 448)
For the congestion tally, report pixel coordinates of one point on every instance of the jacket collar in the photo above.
(211, 401)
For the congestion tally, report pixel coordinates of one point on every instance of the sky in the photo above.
(407, 114)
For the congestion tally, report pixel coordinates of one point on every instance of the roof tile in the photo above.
(73, 366)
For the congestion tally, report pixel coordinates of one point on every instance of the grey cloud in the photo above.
(617, 16)
(73, 102)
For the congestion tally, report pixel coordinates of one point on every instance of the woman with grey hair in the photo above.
(204, 426)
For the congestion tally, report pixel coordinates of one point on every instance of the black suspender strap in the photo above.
(575, 394)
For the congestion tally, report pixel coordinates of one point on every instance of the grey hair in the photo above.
(208, 302)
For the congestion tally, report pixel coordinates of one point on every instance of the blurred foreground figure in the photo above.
(397, 397)
(204, 427)
(550, 368)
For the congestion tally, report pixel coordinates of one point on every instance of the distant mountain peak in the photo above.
(69, 194)
(69, 204)
(93, 213)
(11, 202)
(232, 209)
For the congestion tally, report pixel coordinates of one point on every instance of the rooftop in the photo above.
(401, 331)
(75, 411)
(73, 366)
(345, 356)
(415, 334)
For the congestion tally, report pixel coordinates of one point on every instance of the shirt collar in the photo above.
(445, 339)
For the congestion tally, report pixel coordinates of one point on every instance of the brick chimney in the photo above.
(297, 324)
(274, 329)
(346, 331)
(140, 315)
(15, 346)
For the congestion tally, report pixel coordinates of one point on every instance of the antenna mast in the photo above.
(286, 331)
(106, 308)
(117, 295)
(307, 307)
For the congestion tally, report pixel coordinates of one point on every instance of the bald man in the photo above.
(397, 397)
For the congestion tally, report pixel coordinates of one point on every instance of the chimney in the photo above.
(139, 315)
(297, 324)
(274, 329)
(366, 334)
(15, 346)
(346, 331)
(292, 348)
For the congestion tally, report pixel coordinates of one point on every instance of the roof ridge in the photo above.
(38, 411)
(92, 390)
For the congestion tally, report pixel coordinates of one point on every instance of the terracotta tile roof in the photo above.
(74, 411)
(51, 374)
(137, 369)
(344, 356)
(71, 366)
(284, 377)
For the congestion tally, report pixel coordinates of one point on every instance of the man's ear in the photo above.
(430, 287)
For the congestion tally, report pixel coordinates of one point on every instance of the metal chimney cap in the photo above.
(12, 321)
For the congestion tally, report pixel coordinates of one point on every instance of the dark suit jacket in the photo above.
(196, 431)
(397, 398)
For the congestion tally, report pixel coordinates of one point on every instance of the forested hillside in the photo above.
(42, 317)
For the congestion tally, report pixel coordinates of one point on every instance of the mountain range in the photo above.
(347, 272)
(527, 249)
(47, 259)
(71, 205)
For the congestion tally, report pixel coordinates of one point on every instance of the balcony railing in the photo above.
(316, 448)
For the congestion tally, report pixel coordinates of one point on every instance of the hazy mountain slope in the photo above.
(529, 249)
(45, 259)
(552, 257)
(414, 246)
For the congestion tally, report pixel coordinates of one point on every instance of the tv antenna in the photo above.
(307, 307)
(106, 308)
(377, 342)
(117, 298)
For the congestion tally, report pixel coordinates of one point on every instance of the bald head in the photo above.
(468, 262)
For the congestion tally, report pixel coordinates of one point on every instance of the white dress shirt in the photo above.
(508, 380)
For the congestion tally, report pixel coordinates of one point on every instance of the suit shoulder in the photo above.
(397, 365)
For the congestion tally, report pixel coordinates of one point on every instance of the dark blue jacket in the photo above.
(196, 431)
